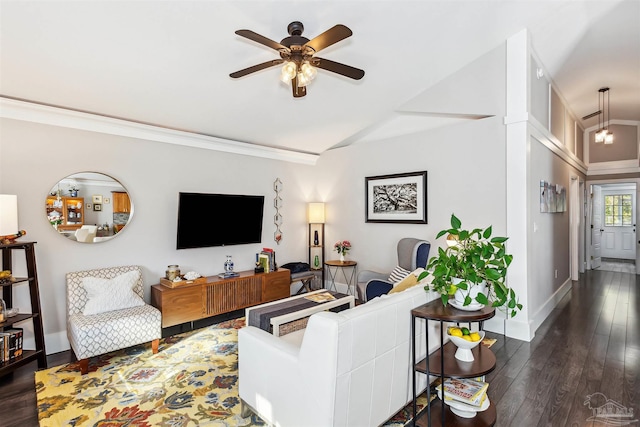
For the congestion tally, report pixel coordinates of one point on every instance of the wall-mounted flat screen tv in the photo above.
(206, 220)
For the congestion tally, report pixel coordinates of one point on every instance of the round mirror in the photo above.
(88, 207)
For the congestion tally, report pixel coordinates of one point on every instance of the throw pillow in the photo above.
(111, 294)
(406, 283)
(398, 274)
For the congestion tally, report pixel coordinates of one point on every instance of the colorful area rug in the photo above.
(191, 381)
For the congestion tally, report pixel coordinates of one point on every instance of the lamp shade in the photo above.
(316, 213)
(8, 214)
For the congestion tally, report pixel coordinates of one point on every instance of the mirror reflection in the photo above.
(88, 207)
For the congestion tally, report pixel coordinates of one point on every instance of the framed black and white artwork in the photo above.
(398, 198)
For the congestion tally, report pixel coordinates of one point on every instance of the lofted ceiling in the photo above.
(167, 63)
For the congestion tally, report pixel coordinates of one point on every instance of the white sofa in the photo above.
(351, 368)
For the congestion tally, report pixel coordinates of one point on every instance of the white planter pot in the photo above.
(473, 291)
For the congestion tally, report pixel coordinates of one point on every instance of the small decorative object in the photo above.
(192, 275)
(97, 207)
(6, 240)
(228, 265)
(316, 240)
(277, 218)
(342, 247)
(73, 189)
(472, 258)
(465, 345)
(173, 272)
(3, 311)
(316, 262)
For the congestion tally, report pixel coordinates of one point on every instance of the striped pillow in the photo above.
(398, 274)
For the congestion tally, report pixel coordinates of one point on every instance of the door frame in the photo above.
(588, 225)
(576, 226)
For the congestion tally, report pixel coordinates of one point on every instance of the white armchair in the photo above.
(86, 233)
(106, 312)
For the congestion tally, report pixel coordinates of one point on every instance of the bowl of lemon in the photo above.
(465, 340)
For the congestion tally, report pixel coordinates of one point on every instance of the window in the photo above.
(618, 210)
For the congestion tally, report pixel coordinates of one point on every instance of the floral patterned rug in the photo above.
(191, 381)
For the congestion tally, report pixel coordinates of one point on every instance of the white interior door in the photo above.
(596, 226)
(619, 235)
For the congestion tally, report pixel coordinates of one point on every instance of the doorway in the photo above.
(613, 218)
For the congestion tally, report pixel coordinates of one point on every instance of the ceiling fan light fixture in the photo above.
(303, 80)
(309, 71)
(289, 70)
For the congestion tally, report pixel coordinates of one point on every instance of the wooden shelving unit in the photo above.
(39, 353)
(444, 364)
(316, 251)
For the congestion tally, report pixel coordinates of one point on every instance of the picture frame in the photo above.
(87, 205)
(97, 207)
(107, 200)
(97, 198)
(397, 198)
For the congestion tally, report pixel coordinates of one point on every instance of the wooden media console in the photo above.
(216, 296)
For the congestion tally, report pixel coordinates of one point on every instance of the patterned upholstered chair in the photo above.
(105, 312)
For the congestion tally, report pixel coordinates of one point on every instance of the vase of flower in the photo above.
(342, 247)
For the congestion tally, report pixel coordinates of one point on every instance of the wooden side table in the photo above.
(333, 266)
(444, 364)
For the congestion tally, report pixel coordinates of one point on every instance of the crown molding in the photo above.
(63, 117)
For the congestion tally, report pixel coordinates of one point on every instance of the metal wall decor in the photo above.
(277, 203)
(553, 198)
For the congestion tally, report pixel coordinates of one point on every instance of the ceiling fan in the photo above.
(297, 55)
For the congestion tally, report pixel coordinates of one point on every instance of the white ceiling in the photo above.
(167, 63)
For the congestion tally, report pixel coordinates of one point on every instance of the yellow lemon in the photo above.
(466, 337)
(456, 332)
(474, 336)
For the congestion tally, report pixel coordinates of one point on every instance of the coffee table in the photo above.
(291, 314)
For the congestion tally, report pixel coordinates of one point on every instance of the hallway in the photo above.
(590, 343)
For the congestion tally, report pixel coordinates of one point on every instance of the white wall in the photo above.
(465, 174)
(34, 157)
(549, 261)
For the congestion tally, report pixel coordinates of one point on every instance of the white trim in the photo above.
(516, 327)
(615, 167)
(55, 116)
(614, 122)
(552, 302)
(561, 151)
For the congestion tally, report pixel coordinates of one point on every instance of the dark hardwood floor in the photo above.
(590, 343)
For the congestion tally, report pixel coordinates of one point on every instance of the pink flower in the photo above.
(342, 246)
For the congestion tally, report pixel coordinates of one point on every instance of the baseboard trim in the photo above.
(57, 342)
(551, 303)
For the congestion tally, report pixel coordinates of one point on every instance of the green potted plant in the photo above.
(472, 270)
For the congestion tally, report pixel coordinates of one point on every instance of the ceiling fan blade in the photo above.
(336, 67)
(298, 92)
(261, 39)
(255, 68)
(331, 36)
